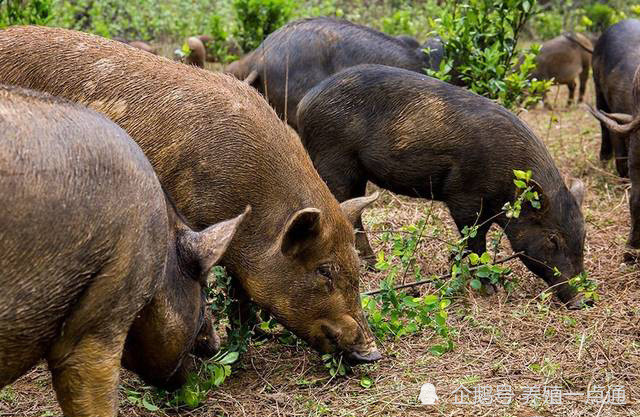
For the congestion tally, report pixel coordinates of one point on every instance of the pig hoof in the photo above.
(604, 158)
(578, 303)
(369, 263)
(631, 256)
(488, 288)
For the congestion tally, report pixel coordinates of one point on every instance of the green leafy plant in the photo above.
(601, 16)
(218, 47)
(142, 399)
(585, 286)
(211, 375)
(255, 19)
(393, 314)
(400, 23)
(548, 24)
(335, 364)
(480, 39)
(20, 12)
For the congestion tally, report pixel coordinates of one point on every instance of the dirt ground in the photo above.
(517, 343)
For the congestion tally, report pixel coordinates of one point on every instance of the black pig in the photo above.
(421, 137)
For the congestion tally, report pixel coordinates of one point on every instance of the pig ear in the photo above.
(577, 189)
(207, 246)
(353, 208)
(301, 231)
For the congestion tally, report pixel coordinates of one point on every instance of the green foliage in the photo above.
(218, 48)
(400, 23)
(480, 38)
(586, 287)
(547, 25)
(144, 19)
(469, 268)
(393, 314)
(601, 16)
(20, 12)
(255, 19)
(526, 193)
(212, 374)
(335, 365)
(223, 305)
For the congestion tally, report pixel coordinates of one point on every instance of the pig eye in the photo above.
(325, 271)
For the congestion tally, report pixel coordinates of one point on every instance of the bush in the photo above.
(547, 25)
(256, 19)
(144, 19)
(400, 23)
(20, 12)
(218, 47)
(480, 38)
(602, 16)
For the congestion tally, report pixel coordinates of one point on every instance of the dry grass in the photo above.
(516, 339)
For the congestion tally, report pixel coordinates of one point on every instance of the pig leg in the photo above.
(584, 79)
(606, 149)
(571, 85)
(632, 252)
(545, 101)
(363, 246)
(621, 152)
(478, 244)
(86, 380)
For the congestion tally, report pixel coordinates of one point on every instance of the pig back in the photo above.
(214, 142)
(616, 56)
(82, 208)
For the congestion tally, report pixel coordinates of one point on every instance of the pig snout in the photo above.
(356, 358)
(207, 342)
(357, 342)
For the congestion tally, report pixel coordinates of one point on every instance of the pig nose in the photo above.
(356, 358)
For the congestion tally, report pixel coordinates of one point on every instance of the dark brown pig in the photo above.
(563, 59)
(421, 137)
(616, 56)
(628, 125)
(217, 146)
(290, 61)
(89, 246)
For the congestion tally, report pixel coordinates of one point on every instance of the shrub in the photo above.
(547, 25)
(20, 12)
(400, 23)
(601, 16)
(255, 19)
(218, 47)
(480, 38)
(144, 19)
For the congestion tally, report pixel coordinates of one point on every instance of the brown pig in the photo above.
(143, 46)
(217, 146)
(94, 257)
(563, 59)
